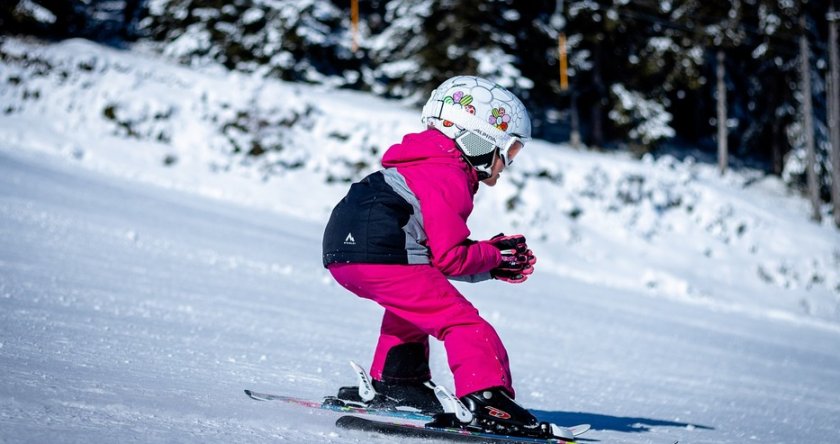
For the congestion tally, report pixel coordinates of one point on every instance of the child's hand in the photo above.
(517, 260)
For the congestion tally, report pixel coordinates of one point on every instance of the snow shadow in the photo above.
(615, 423)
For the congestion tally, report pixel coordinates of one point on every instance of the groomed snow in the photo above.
(146, 280)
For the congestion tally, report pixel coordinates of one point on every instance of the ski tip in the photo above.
(570, 432)
(253, 395)
(580, 429)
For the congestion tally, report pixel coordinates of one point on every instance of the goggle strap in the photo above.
(472, 124)
(455, 113)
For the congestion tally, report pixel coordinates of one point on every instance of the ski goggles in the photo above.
(510, 150)
(478, 137)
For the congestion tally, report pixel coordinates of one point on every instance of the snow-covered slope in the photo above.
(744, 242)
(134, 313)
(149, 271)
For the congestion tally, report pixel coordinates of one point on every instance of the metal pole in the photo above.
(564, 72)
(354, 19)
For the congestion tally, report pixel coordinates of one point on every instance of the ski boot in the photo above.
(409, 396)
(418, 397)
(494, 411)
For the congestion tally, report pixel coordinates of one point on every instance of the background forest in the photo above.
(167, 168)
(641, 75)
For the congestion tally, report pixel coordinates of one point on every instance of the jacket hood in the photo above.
(428, 147)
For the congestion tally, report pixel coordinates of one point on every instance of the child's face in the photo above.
(499, 164)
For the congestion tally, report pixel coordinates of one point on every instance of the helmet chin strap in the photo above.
(483, 171)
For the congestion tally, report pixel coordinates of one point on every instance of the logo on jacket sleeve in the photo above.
(349, 240)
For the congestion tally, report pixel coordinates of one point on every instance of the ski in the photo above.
(447, 433)
(336, 405)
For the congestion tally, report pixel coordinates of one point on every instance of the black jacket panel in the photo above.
(367, 225)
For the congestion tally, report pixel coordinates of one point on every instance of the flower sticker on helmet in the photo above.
(459, 98)
(499, 118)
(462, 99)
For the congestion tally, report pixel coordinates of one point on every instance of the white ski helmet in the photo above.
(481, 116)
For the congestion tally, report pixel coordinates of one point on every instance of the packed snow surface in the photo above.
(150, 269)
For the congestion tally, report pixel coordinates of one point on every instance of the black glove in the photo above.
(517, 260)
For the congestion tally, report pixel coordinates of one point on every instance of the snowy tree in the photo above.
(110, 21)
(396, 64)
(473, 37)
(303, 40)
(659, 54)
(646, 121)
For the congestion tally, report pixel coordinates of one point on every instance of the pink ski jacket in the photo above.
(414, 211)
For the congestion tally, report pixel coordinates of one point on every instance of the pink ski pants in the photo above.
(419, 301)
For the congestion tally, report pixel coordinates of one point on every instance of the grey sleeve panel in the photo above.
(415, 238)
(472, 278)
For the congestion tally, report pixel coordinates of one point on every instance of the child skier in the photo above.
(401, 232)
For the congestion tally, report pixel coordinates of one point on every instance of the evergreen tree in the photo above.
(109, 21)
(640, 71)
(473, 37)
(301, 40)
(396, 64)
(607, 44)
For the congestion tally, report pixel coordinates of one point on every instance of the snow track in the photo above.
(131, 313)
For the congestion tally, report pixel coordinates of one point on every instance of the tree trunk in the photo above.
(776, 148)
(722, 133)
(778, 157)
(575, 120)
(597, 104)
(808, 123)
(834, 112)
